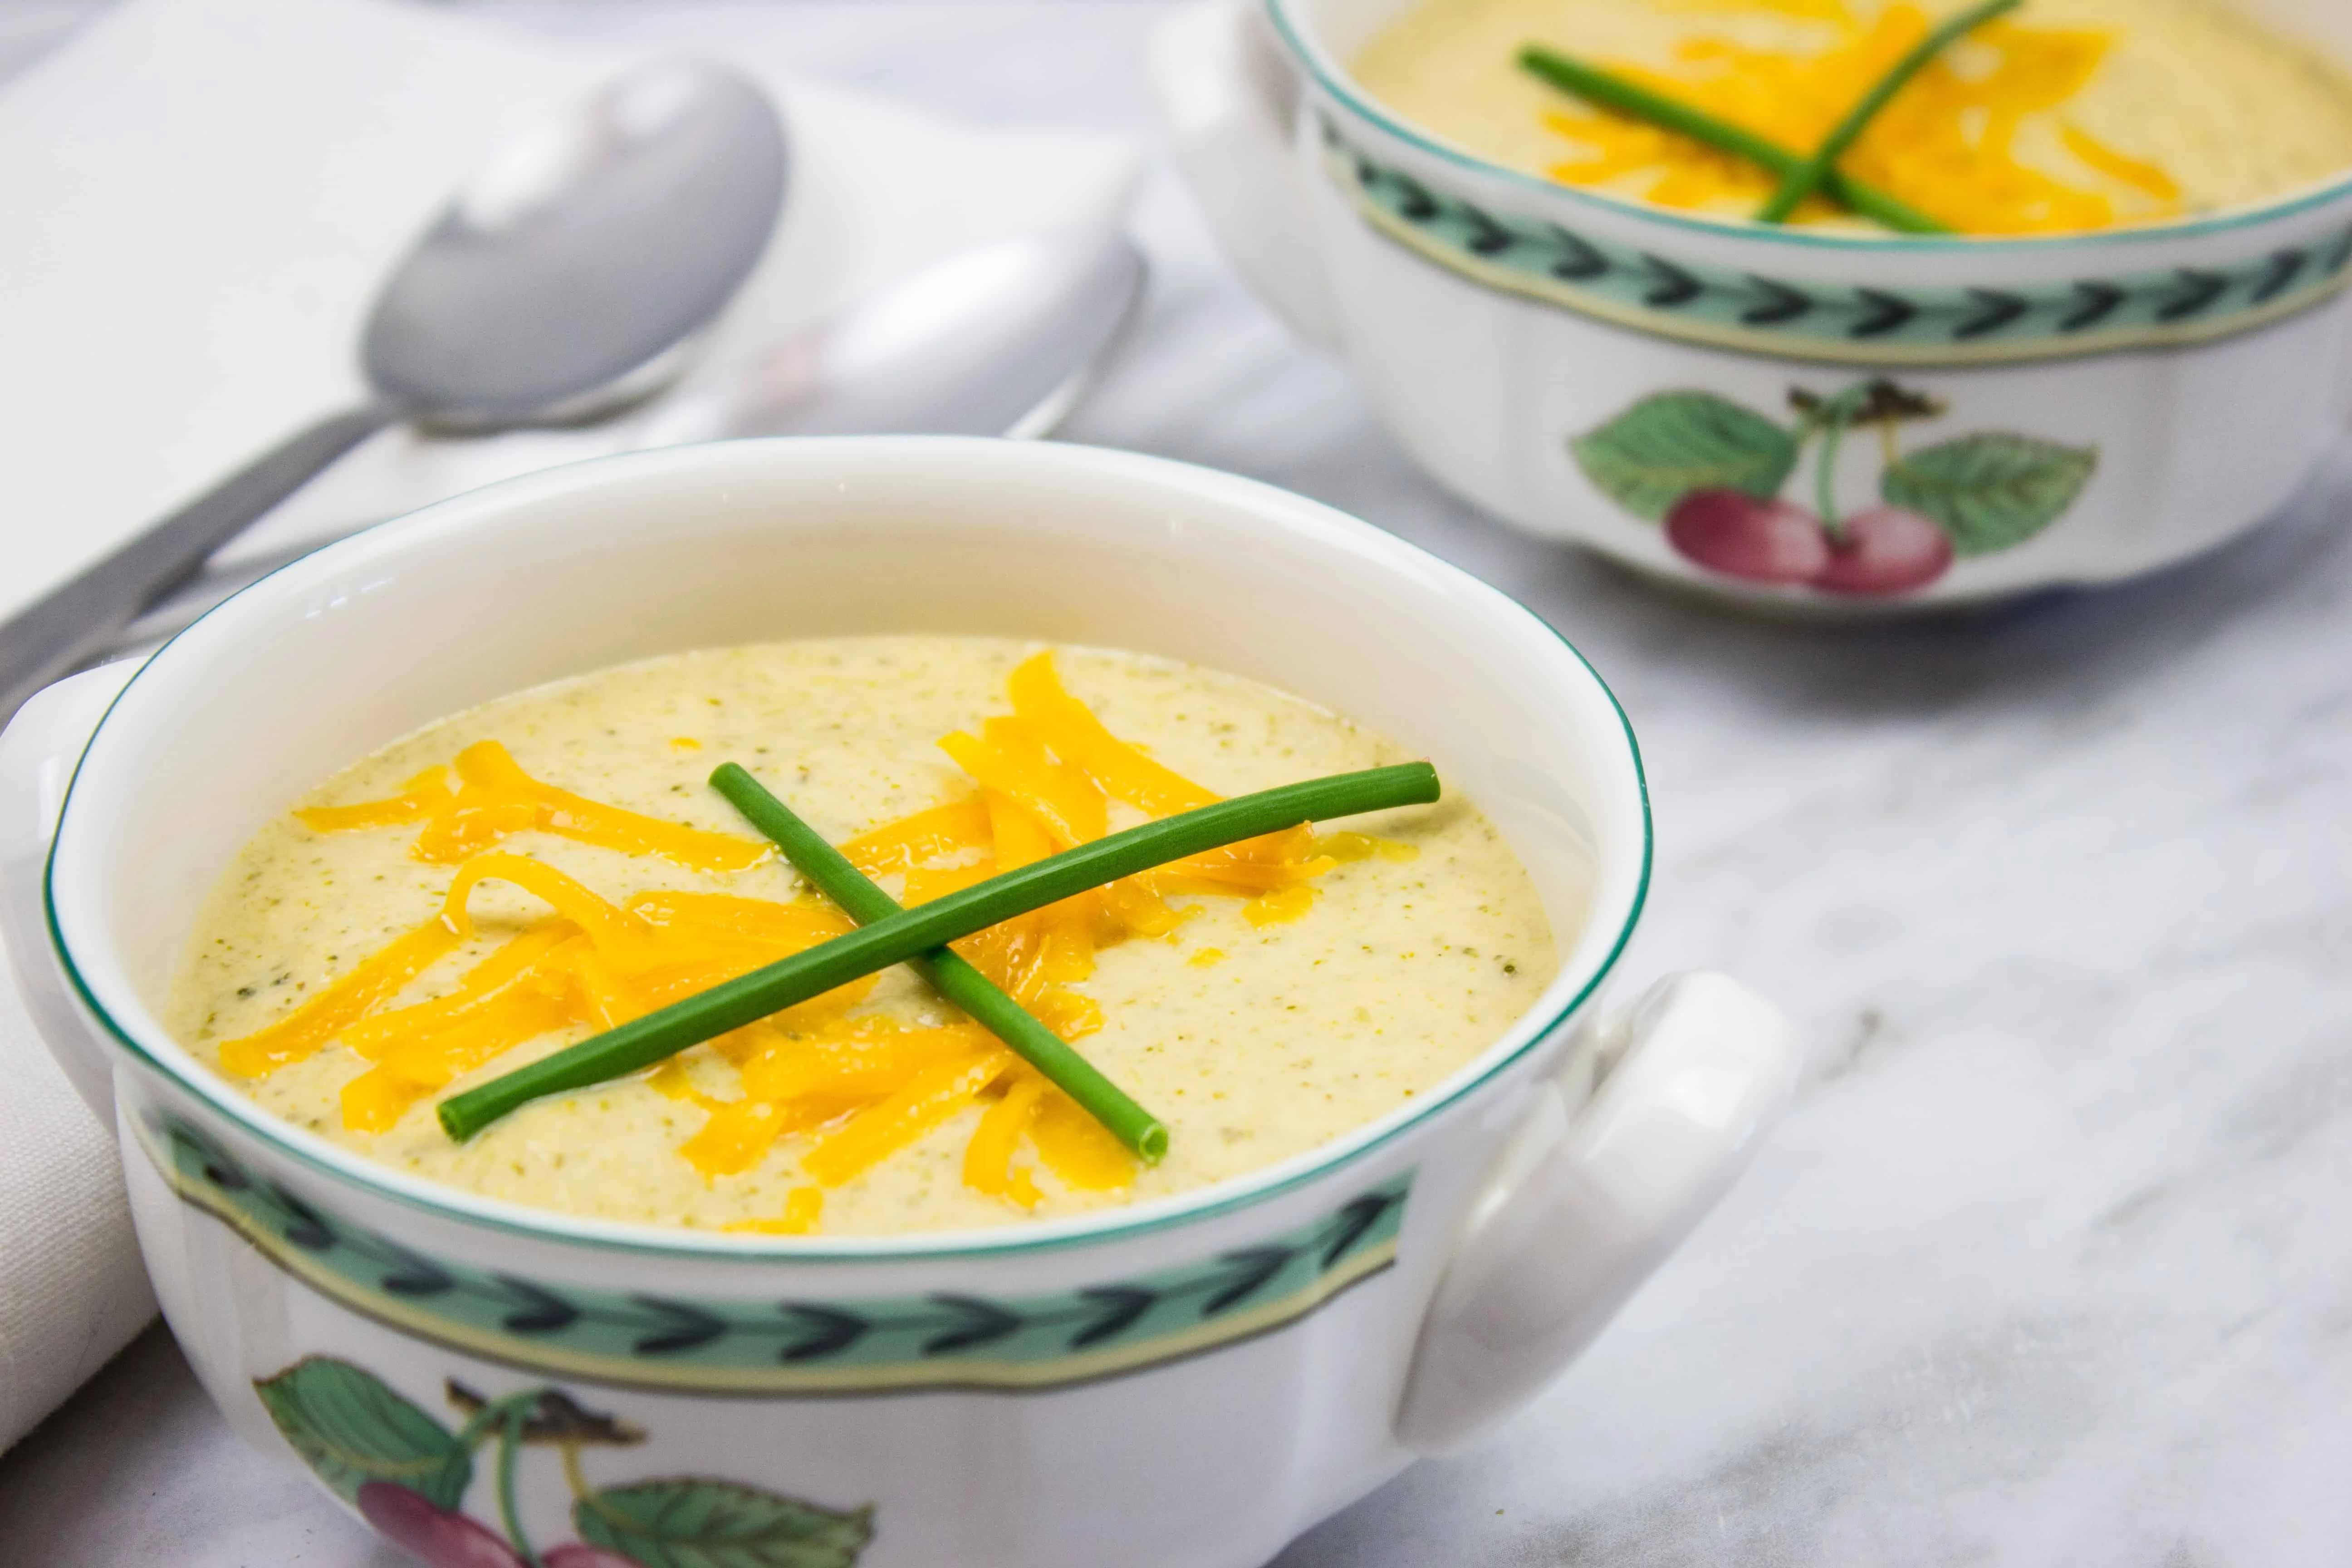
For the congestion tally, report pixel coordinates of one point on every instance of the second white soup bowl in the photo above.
(2053, 411)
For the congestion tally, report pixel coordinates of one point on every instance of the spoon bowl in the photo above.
(586, 249)
(997, 340)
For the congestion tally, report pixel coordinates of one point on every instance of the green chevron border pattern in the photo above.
(778, 1346)
(1844, 323)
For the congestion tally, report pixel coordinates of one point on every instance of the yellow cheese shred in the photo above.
(495, 799)
(370, 984)
(935, 1093)
(988, 1165)
(804, 1207)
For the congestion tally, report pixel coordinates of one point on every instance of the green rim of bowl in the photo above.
(497, 1214)
(1328, 74)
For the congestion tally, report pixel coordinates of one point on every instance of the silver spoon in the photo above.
(560, 282)
(997, 340)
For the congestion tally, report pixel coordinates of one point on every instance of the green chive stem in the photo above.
(894, 939)
(1802, 182)
(1611, 90)
(954, 977)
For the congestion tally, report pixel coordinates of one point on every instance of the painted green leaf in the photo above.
(691, 1523)
(1672, 443)
(352, 1430)
(1990, 491)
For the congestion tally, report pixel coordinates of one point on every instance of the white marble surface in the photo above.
(2053, 1262)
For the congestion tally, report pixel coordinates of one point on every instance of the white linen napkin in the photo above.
(71, 1288)
(202, 196)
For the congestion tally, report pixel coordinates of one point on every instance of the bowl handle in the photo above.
(1229, 98)
(37, 755)
(1584, 1203)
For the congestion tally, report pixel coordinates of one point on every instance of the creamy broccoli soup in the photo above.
(519, 878)
(2063, 115)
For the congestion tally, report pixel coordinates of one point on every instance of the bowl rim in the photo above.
(1333, 78)
(1560, 1000)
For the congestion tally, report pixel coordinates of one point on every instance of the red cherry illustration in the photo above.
(444, 1539)
(1733, 532)
(1885, 550)
(573, 1554)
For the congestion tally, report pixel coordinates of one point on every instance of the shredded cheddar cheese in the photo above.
(368, 986)
(856, 1088)
(1949, 143)
(804, 1207)
(496, 799)
(2063, 116)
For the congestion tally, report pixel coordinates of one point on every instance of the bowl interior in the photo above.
(1336, 30)
(1344, 26)
(569, 570)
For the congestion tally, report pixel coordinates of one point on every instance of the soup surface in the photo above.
(2065, 115)
(1260, 1000)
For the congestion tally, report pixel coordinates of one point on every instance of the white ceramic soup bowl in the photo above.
(1190, 1381)
(2065, 411)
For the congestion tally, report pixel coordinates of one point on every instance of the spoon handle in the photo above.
(78, 617)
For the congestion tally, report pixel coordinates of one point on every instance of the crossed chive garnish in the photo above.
(888, 934)
(1801, 175)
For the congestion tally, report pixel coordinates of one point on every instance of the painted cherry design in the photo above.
(340, 1417)
(1738, 535)
(1966, 495)
(443, 1538)
(1885, 550)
